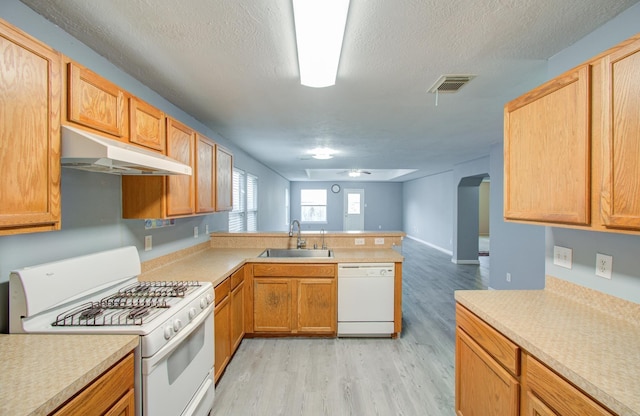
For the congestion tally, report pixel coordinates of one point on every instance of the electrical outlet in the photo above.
(379, 241)
(195, 232)
(359, 241)
(147, 243)
(604, 265)
(562, 256)
(508, 277)
(206, 228)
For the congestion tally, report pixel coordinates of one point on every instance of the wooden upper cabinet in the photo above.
(95, 102)
(620, 197)
(547, 152)
(180, 188)
(146, 125)
(29, 134)
(224, 179)
(205, 175)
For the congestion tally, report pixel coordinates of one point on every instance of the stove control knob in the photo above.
(177, 325)
(203, 303)
(192, 313)
(168, 332)
(209, 298)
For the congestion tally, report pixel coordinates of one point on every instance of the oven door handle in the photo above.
(149, 364)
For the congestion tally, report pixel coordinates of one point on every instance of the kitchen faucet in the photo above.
(299, 242)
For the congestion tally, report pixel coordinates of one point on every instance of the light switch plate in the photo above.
(562, 256)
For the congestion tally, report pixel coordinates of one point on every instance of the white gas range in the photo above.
(100, 294)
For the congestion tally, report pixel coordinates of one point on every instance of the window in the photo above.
(244, 216)
(313, 205)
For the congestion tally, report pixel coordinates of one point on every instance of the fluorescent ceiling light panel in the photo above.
(320, 28)
(322, 153)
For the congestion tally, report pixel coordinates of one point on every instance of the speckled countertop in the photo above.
(215, 264)
(577, 336)
(40, 372)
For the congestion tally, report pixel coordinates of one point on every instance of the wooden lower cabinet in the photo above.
(496, 377)
(228, 317)
(294, 299)
(111, 394)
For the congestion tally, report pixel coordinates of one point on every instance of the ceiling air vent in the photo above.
(450, 83)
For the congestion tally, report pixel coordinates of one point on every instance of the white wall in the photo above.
(585, 244)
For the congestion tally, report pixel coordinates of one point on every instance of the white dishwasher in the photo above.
(365, 299)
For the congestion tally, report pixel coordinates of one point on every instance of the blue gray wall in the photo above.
(625, 282)
(91, 202)
(383, 205)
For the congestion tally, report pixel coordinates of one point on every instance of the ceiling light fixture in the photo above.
(322, 153)
(354, 173)
(320, 28)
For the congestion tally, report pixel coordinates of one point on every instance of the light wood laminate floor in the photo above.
(411, 375)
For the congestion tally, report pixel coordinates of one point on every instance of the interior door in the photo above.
(354, 210)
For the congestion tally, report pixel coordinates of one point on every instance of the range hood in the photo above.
(88, 151)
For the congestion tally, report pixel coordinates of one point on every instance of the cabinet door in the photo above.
(205, 175)
(224, 179)
(483, 387)
(558, 394)
(95, 102)
(146, 125)
(620, 197)
(547, 152)
(222, 321)
(30, 138)
(272, 308)
(237, 316)
(316, 305)
(125, 407)
(535, 407)
(180, 192)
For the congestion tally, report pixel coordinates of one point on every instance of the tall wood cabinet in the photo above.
(180, 188)
(572, 146)
(29, 134)
(294, 299)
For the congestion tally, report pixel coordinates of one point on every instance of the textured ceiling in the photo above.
(232, 65)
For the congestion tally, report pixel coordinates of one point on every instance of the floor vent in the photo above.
(450, 83)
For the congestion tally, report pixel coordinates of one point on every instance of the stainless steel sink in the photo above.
(280, 252)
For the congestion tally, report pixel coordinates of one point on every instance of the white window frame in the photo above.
(245, 192)
(318, 203)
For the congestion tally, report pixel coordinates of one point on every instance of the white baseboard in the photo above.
(444, 250)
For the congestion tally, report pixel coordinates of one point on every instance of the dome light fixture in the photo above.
(322, 153)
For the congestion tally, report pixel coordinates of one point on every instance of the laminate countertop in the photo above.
(41, 372)
(216, 264)
(591, 340)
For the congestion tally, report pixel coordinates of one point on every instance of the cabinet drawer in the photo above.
(501, 348)
(237, 278)
(297, 270)
(557, 393)
(222, 290)
(104, 392)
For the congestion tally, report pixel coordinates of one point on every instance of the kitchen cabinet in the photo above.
(222, 329)
(620, 199)
(205, 175)
(96, 103)
(294, 299)
(180, 188)
(224, 179)
(229, 323)
(146, 126)
(487, 365)
(547, 152)
(495, 376)
(572, 147)
(546, 393)
(111, 394)
(30, 88)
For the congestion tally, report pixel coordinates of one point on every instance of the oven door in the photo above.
(178, 380)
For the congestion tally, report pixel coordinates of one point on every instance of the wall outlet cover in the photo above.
(563, 257)
(604, 265)
(359, 241)
(379, 240)
(148, 243)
